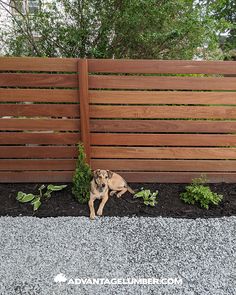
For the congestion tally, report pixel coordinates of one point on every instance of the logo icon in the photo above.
(60, 278)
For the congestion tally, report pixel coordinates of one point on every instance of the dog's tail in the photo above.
(130, 190)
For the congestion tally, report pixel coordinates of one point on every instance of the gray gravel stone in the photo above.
(33, 252)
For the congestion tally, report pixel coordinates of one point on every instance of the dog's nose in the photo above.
(103, 185)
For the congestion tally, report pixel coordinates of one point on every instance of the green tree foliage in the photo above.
(82, 178)
(223, 14)
(227, 12)
(160, 29)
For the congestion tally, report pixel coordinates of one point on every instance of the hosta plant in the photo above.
(44, 192)
(149, 198)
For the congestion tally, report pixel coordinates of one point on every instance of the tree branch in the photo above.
(26, 31)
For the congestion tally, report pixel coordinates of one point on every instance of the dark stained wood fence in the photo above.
(149, 120)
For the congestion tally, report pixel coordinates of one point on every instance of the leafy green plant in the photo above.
(82, 178)
(198, 192)
(149, 198)
(36, 200)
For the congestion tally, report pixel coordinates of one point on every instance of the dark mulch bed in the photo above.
(169, 204)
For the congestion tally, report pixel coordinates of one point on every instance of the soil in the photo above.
(169, 204)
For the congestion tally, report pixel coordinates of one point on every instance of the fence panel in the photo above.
(163, 121)
(149, 120)
(40, 119)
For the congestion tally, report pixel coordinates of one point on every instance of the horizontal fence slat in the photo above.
(40, 124)
(41, 152)
(161, 66)
(121, 165)
(162, 153)
(118, 66)
(173, 126)
(150, 112)
(42, 164)
(36, 176)
(38, 64)
(43, 110)
(117, 152)
(163, 139)
(140, 177)
(161, 97)
(39, 95)
(165, 165)
(38, 80)
(39, 138)
(155, 82)
(118, 82)
(121, 139)
(38, 152)
(177, 177)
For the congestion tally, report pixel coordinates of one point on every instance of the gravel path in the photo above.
(35, 252)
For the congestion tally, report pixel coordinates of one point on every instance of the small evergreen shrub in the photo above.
(198, 192)
(82, 178)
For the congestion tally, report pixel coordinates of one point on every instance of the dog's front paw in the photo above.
(92, 216)
(112, 193)
(99, 212)
(119, 195)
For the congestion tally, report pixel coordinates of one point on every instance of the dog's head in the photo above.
(101, 178)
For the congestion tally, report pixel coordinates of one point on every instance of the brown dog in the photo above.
(103, 180)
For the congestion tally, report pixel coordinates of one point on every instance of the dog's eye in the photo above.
(106, 176)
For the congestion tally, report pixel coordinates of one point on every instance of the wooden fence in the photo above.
(136, 117)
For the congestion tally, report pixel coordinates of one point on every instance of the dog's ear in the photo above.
(110, 173)
(96, 173)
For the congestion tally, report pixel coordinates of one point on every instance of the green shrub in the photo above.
(82, 178)
(198, 192)
(36, 200)
(148, 197)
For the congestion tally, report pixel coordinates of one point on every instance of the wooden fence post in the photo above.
(84, 106)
